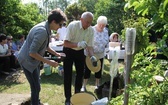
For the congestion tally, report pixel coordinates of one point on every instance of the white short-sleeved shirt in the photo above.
(62, 33)
(3, 49)
(76, 33)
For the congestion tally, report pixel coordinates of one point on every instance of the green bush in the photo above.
(144, 89)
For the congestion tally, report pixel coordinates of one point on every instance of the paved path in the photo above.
(14, 99)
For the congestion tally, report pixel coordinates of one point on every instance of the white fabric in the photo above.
(111, 51)
(62, 33)
(76, 33)
(52, 40)
(102, 101)
(3, 49)
(114, 63)
(56, 45)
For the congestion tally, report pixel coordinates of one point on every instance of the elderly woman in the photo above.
(101, 40)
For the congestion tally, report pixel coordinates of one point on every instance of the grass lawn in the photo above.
(52, 90)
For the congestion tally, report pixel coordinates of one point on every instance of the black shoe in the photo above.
(77, 91)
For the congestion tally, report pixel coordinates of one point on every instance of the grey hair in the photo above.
(102, 20)
(85, 14)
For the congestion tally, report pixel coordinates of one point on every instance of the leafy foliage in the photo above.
(144, 89)
(63, 4)
(89, 4)
(52, 4)
(156, 11)
(142, 35)
(113, 10)
(17, 18)
(74, 11)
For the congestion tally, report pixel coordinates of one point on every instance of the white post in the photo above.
(130, 44)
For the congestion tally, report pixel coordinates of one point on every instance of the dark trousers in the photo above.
(34, 81)
(87, 72)
(77, 58)
(7, 62)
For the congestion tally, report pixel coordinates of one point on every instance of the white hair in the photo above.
(85, 14)
(102, 20)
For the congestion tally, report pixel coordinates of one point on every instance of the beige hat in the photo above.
(82, 99)
(91, 67)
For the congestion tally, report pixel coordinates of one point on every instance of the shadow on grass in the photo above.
(54, 78)
(7, 81)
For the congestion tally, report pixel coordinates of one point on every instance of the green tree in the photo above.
(17, 18)
(63, 4)
(156, 11)
(27, 17)
(113, 10)
(52, 4)
(6, 14)
(74, 11)
(89, 4)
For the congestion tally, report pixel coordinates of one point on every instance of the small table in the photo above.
(58, 47)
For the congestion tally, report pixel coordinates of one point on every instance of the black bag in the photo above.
(103, 90)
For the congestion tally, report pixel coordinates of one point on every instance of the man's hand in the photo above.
(93, 60)
(82, 44)
(53, 63)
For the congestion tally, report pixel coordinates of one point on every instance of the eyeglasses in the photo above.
(10, 39)
(60, 24)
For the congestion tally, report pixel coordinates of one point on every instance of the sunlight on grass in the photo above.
(52, 88)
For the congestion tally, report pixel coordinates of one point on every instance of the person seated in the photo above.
(7, 60)
(114, 40)
(14, 47)
(115, 44)
(21, 40)
(12, 44)
(9, 41)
